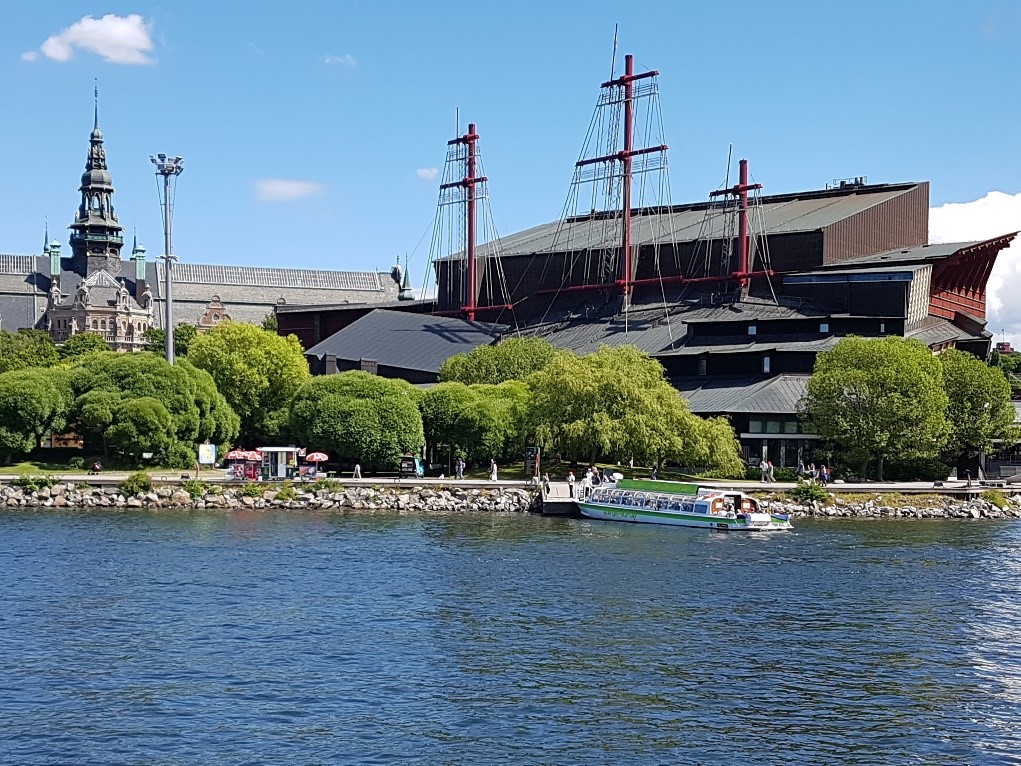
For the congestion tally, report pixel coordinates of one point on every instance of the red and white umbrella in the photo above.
(254, 456)
(236, 454)
(317, 457)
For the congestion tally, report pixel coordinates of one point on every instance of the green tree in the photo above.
(269, 322)
(979, 408)
(618, 403)
(26, 348)
(81, 344)
(878, 398)
(358, 416)
(513, 359)
(257, 371)
(108, 386)
(156, 339)
(142, 425)
(33, 402)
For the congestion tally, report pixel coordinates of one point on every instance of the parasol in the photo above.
(236, 454)
(253, 455)
(317, 458)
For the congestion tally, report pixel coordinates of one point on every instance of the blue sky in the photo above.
(309, 129)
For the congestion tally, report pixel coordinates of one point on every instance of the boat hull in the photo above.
(756, 522)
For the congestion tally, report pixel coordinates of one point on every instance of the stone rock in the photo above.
(60, 501)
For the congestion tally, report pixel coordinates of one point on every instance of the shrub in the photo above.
(76, 463)
(995, 497)
(252, 490)
(330, 485)
(286, 492)
(136, 484)
(35, 482)
(807, 492)
(195, 487)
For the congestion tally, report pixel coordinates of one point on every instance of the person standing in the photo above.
(492, 469)
(764, 468)
(770, 477)
(357, 472)
(459, 468)
(570, 482)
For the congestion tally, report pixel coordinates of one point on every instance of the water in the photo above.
(257, 638)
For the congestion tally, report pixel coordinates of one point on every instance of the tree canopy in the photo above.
(358, 416)
(979, 408)
(477, 422)
(513, 359)
(26, 348)
(117, 398)
(156, 339)
(257, 371)
(33, 402)
(877, 398)
(618, 403)
(82, 343)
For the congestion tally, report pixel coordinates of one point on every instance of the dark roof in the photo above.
(406, 341)
(918, 254)
(776, 214)
(934, 330)
(779, 395)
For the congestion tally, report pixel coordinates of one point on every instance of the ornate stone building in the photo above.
(98, 300)
(93, 289)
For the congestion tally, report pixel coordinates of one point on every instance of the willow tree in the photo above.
(618, 403)
(257, 371)
(513, 359)
(358, 416)
(879, 398)
(980, 410)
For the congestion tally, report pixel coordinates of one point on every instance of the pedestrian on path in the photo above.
(492, 470)
(459, 468)
(570, 482)
(357, 473)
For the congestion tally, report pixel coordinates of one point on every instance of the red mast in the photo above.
(740, 190)
(626, 280)
(470, 141)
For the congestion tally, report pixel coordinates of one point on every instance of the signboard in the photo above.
(207, 454)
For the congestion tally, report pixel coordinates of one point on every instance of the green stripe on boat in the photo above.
(653, 485)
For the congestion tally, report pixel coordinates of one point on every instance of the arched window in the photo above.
(95, 324)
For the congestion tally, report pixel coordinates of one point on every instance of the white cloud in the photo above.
(992, 216)
(346, 60)
(427, 173)
(282, 189)
(117, 39)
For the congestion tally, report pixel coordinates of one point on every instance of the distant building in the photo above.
(1004, 347)
(93, 289)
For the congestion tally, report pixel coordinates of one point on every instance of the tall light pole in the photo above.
(167, 167)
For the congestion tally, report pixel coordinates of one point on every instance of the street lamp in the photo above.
(167, 167)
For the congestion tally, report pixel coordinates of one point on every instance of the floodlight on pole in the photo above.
(167, 167)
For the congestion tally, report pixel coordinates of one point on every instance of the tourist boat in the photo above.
(682, 505)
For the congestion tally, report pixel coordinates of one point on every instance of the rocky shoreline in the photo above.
(80, 496)
(440, 499)
(946, 508)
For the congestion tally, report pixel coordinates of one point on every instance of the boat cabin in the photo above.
(707, 501)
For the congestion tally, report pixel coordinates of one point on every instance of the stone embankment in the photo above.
(74, 496)
(928, 507)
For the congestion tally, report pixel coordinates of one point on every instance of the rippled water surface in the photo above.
(258, 638)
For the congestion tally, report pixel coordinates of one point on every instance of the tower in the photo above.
(96, 238)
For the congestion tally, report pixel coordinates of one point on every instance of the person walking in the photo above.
(824, 475)
(770, 477)
(570, 482)
(492, 469)
(357, 472)
(764, 469)
(459, 468)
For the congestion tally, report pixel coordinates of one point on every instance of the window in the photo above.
(765, 364)
(824, 327)
(772, 426)
(790, 426)
(752, 329)
(701, 366)
(755, 426)
(882, 327)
